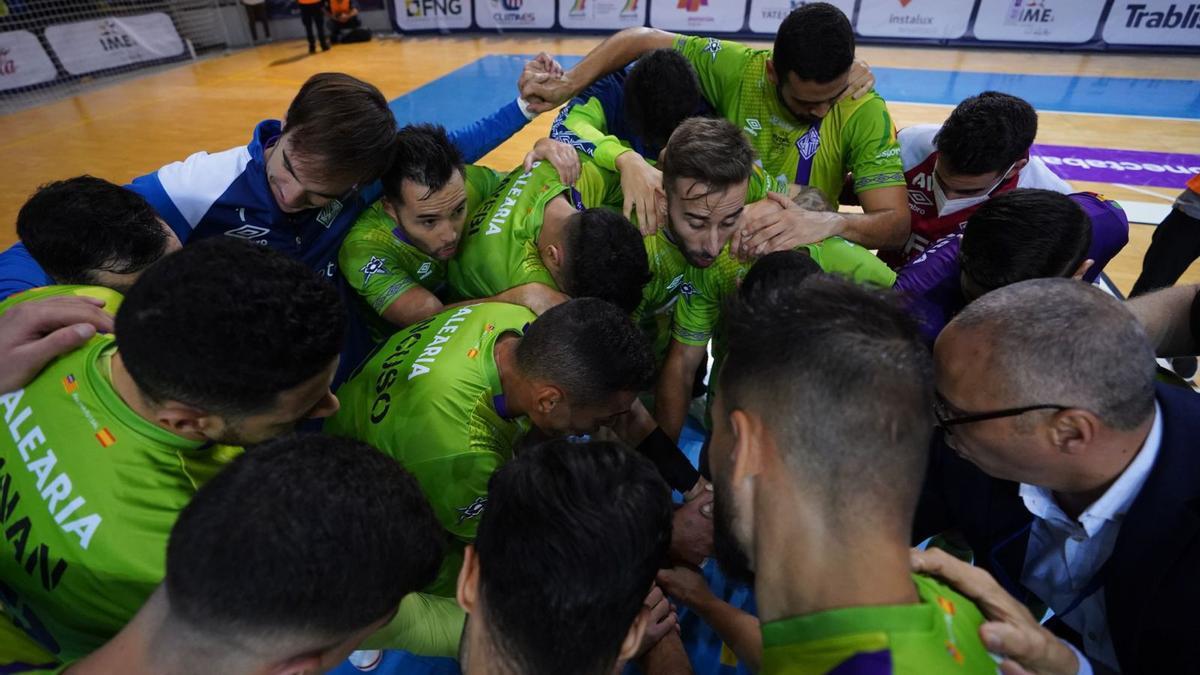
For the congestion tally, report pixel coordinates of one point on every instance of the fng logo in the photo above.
(425, 8)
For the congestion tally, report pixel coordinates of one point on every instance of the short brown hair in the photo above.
(709, 150)
(344, 125)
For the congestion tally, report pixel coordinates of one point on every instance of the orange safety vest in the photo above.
(337, 7)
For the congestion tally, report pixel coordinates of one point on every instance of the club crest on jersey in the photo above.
(713, 46)
(327, 214)
(472, 510)
(374, 266)
(687, 289)
(248, 232)
(808, 143)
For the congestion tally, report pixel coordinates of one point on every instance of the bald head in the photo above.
(1056, 341)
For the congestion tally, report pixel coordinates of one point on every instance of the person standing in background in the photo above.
(256, 12)
(313, 16)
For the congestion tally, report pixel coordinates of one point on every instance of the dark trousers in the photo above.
(312, 14)
(1175, 244)
(336, 27)
(258, 14)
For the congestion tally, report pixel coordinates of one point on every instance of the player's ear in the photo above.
(554, 259)
(633, 639)
(297, 665)
(771, 74)
(1017, 167)
(468, 580)
(188, 421)
(548, 397)
(749, 444)
(1083, 268)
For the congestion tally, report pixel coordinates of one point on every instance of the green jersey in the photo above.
(499, 250)
(668, 268)
(431, 398)
(940, 634)
(705, 289)
(857, 136)
(381, 264)
(90, 491)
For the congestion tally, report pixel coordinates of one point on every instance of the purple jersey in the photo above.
(930, 282)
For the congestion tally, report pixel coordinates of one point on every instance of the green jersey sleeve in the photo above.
(720, 65)
(427, 625)
(372, 260)
(847, 259)
(456, 484)
(869, 137)
(589, 123)
(599, 187)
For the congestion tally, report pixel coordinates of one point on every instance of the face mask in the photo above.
(945, 206)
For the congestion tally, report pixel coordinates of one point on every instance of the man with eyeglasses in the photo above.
(1071, 474)
(980, 151)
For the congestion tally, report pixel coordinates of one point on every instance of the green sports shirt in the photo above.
(381, 264)
(428, 397)
(89, 491)
(499, 249)
(857, 136)
(939, 634)
(704, 289)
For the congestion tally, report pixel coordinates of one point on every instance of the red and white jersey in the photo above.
(918, 153)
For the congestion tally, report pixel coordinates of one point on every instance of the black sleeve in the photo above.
(670, 460)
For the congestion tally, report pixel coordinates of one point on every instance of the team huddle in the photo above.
(344, 388)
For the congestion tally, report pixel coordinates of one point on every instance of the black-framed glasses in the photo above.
(947, 418)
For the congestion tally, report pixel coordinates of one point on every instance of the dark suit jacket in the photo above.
(1151, 582)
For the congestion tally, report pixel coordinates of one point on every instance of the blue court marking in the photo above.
(476, 89)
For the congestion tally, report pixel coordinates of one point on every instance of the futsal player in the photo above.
(792, 104)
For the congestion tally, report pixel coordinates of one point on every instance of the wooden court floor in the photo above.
(127, 129)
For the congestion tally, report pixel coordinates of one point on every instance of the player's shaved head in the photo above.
(604, 258)
(1023, 234)
(568, 546)
(987, 133)
(589, 348)
(661, 91)
(228, 326)
(297, 545)
(842, 383)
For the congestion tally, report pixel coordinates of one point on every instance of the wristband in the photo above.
(670, 460)
(524, 106)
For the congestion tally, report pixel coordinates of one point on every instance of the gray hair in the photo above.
(1066, 342)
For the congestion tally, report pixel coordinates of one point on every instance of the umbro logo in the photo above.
(425, 269)
(919, 198)
(248, 232)
(753, 126)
